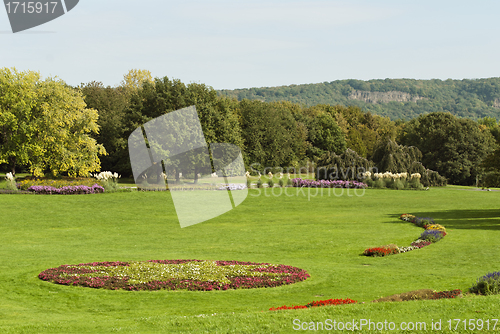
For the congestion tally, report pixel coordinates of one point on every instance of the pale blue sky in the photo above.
(241, 44)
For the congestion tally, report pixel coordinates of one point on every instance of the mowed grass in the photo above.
(323, 234)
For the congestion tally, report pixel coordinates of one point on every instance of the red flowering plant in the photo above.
(447, 294)
(315, 304)
(193, 275)
(382, 251)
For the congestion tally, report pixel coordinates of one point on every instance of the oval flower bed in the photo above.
(190, 275)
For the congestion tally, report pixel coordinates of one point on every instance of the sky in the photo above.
(242, 44)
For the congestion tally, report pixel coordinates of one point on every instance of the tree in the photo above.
(218, 116)
(451, 146)
(46, 126)
(135, 78)
(18, 97)
(394, 158)
(346, 166)
(323, 133)
(272, 137)
(110, 103)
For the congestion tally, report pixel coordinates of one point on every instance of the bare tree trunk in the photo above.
(13, 165)
(195, 175)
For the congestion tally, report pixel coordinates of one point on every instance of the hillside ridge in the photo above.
(394, 98)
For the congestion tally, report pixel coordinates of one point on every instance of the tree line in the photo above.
(48, 126)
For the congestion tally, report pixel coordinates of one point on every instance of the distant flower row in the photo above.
(389, 175)
(232, 186)
(298, 182)
(67, 190)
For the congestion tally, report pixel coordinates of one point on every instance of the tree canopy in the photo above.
(454, 147)
(45, 125)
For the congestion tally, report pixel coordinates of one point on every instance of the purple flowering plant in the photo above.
(298, 182)
(67, 190)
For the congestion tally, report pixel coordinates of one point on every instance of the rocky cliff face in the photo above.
(384, 97)
(496, 103)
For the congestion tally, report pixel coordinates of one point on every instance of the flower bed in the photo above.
(382, 251)
(447, 294)
(298, 182)
(488, 284)
(27, 183)
(67, 190)
(190, 275)
(315, 304)
(433, 233)
(423, 294)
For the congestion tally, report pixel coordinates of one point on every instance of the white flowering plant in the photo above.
(108, 180)
(11, 182)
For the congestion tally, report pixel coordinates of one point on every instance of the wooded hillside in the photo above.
(396, 98)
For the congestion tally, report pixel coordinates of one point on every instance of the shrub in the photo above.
(109, 180)
(259, 183)
(388, 183)
(369, 182)
(397, 184)
(379, 184)
(11, 182)
(270, 183)
(491, 179)
(489, 284)
(414, 183)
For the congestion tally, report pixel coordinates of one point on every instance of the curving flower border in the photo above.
(432, 234)
(70, 275)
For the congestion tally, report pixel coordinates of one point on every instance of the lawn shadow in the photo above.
(460, 219)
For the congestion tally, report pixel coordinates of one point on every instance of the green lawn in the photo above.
(324, 235)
